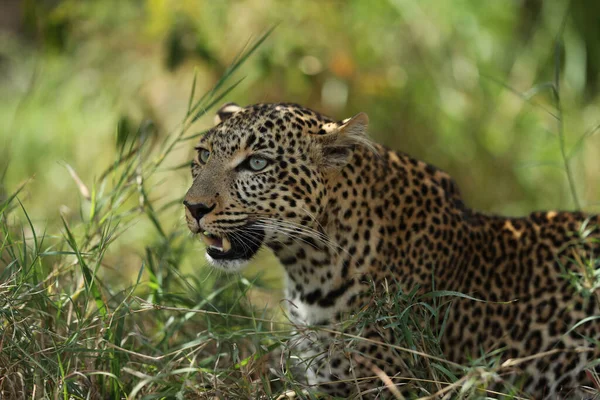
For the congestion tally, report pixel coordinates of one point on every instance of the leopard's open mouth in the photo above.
(233, 246)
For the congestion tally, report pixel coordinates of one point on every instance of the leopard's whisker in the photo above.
(300, 228)
(294, 229)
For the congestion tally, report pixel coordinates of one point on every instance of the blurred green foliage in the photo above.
(460, 84)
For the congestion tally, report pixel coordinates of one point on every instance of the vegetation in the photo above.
(103, 292)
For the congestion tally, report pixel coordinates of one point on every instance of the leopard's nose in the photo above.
(198, 210)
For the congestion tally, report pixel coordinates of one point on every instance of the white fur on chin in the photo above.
(227, 265)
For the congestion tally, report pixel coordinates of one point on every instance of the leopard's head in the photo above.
(260, 176)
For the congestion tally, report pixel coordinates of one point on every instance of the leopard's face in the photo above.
(259, 177)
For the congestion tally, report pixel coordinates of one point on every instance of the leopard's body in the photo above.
(344, 216)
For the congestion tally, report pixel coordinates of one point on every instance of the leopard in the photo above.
(346, 216)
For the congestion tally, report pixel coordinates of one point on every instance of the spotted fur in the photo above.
(344, 215)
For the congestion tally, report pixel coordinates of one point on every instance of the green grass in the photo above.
(66, 333)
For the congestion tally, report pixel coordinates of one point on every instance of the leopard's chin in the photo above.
(235, 265)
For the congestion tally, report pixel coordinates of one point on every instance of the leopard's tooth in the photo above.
(211, 240)
(226, 244)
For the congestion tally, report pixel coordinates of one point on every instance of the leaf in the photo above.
(583, 321)
(192, 93)
(204, 110)
(90, 285)
(238, 61)
(446, 293)
(83, 189)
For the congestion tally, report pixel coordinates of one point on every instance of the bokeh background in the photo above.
(464, 85)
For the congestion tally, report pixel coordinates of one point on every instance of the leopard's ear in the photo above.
(226, 111)
(339, 139)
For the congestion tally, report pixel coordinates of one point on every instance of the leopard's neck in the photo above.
(317, 279)
(377, 219)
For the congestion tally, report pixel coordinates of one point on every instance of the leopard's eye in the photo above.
(203, 155)
(257, 163)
